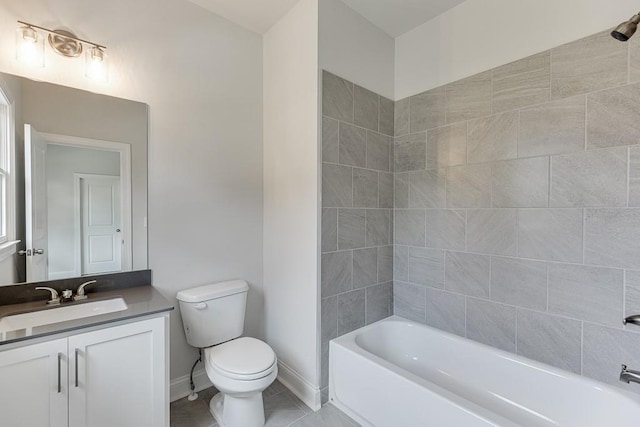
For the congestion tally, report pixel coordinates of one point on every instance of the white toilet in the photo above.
(241, 368)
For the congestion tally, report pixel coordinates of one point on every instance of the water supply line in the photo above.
(193, 395)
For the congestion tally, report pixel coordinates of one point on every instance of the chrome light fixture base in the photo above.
(65, 43)
(30, 49)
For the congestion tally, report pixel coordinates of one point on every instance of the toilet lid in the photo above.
(242, 356)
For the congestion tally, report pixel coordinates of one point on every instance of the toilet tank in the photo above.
(213, 314)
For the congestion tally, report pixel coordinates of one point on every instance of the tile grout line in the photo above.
(624, 294)
(365, 304)
(584, 236)
(425, 306)
(549, 177)
(490, 277)
(408, 119)
(360, 127)
(515, 307)
(583, 151)
(444, 271)
(582, 348)
(518, 129)
(628, 63)
(526, 107)
(466, 230)
(510, 257)
(550, 75)
(466, 308)
(378, 118)
(516, 332)
(628, 175)
(586, 120)
(538, 208)
(353, 103)
(547, 306)
(337, 315)
(517, 231)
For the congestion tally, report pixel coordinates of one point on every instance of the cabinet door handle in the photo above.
(59, 372)
(77, 352)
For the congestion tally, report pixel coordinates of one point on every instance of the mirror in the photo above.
(80, 176)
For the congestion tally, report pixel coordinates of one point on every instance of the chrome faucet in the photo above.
(628, 376)
(80, 294)
(55, 298)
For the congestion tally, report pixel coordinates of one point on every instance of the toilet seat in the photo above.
(242, 359)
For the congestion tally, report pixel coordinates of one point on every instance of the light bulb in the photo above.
(29, 47)
(96, 65)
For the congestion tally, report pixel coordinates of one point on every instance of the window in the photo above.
(7, 142)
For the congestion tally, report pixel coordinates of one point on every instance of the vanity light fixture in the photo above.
(96, 64)
(29, 46)
(30, 49)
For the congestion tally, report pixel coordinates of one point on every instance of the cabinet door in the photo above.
(117, 376)
(33, 385)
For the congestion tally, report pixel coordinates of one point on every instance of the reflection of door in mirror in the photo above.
(36, 204)
(82, 189)
(99, 241)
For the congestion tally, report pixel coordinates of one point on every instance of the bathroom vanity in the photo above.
(100, 369)
(103, 360)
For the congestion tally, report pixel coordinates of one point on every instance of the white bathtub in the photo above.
(399, 373)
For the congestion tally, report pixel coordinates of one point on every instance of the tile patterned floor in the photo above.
(281, 409)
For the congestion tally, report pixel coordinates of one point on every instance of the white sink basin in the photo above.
(62, 313)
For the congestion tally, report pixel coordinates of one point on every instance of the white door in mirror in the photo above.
(101, 239)
(35, 199)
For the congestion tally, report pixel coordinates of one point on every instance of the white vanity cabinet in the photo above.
(115, 376)
(33, 385)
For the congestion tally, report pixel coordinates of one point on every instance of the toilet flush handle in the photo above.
(200, 306)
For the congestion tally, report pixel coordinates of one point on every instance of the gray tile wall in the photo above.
(516, 208)
(357, 209)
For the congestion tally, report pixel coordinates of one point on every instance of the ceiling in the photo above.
(395, 17)
(254, 15)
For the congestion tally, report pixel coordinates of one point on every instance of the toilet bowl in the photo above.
(240, 368)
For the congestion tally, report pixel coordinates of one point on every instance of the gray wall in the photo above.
(516, 207)
(62, 162)
(357, 215)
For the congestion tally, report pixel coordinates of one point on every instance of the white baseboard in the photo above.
(310, 395)
(181, 387)
(299, 386)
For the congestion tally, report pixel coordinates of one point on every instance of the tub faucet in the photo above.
(628, 376)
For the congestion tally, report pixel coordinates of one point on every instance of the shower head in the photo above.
(624, 31)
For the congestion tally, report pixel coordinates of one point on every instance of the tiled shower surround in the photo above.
(516, 207)
(357, 209)
(517, 195)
